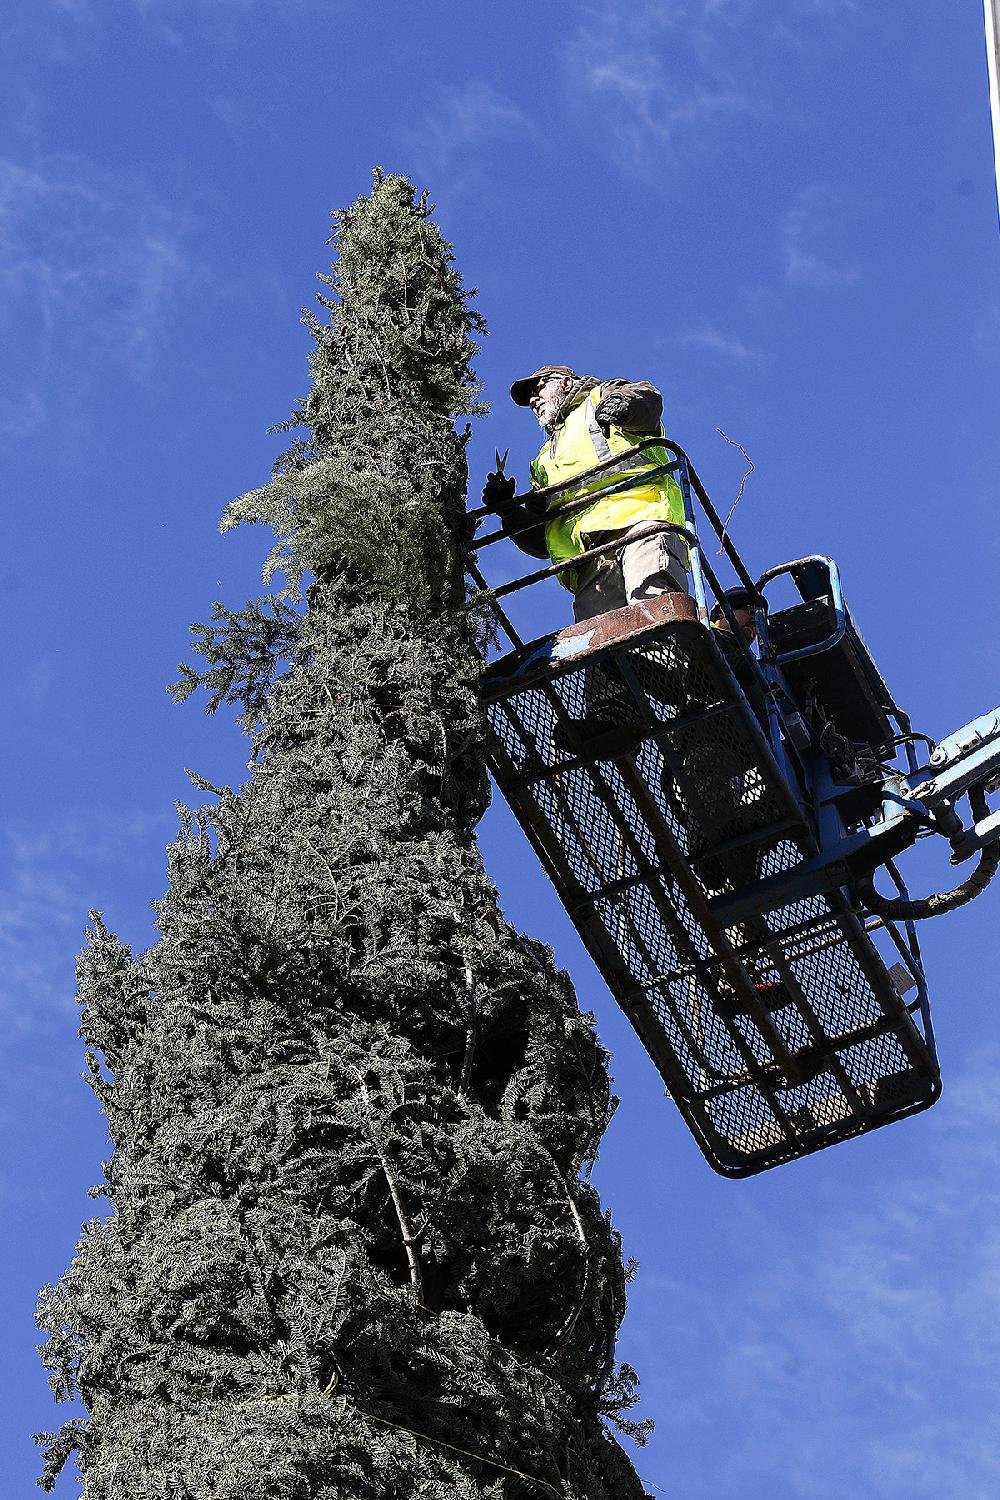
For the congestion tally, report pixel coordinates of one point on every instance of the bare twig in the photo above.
(472, 1031)
(571, 1321)
(614, 1322)
(739, 497)
(409, 1239)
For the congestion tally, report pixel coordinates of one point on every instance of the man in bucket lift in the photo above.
(588, 422)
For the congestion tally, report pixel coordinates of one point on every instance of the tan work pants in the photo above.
(641, 568)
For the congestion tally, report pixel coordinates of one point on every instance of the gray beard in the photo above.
(547, 416)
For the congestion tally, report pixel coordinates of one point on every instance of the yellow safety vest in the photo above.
(574, 448)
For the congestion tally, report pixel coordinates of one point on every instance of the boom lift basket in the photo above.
(684, 807)
(776, 1036)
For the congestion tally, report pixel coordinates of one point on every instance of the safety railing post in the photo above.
(694, 549)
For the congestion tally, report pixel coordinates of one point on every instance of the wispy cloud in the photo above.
(807, 231)
(89, 266)
(159, 7)
(828, 7)
(986, 330)
(170, 21)
(727, 346)
(460, 124)
(869, 1365)
(51, 874)
(652, 70)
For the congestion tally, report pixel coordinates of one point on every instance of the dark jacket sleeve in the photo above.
(633, 405)
(524, 525)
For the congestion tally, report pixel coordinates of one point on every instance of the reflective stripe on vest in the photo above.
(601, 445)
(576, 447)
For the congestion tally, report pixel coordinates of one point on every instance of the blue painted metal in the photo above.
(781, 658)
(695, 556)
(911, 956)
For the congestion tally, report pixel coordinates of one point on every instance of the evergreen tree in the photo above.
(350, 1253)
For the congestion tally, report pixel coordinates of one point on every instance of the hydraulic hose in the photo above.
(906, 908)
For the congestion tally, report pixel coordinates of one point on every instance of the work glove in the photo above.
(634, 407)
(610, 411)
(499, 490)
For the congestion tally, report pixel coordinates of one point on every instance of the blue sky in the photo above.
(783, 213)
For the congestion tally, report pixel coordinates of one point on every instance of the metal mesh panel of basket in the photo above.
(726, 808)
